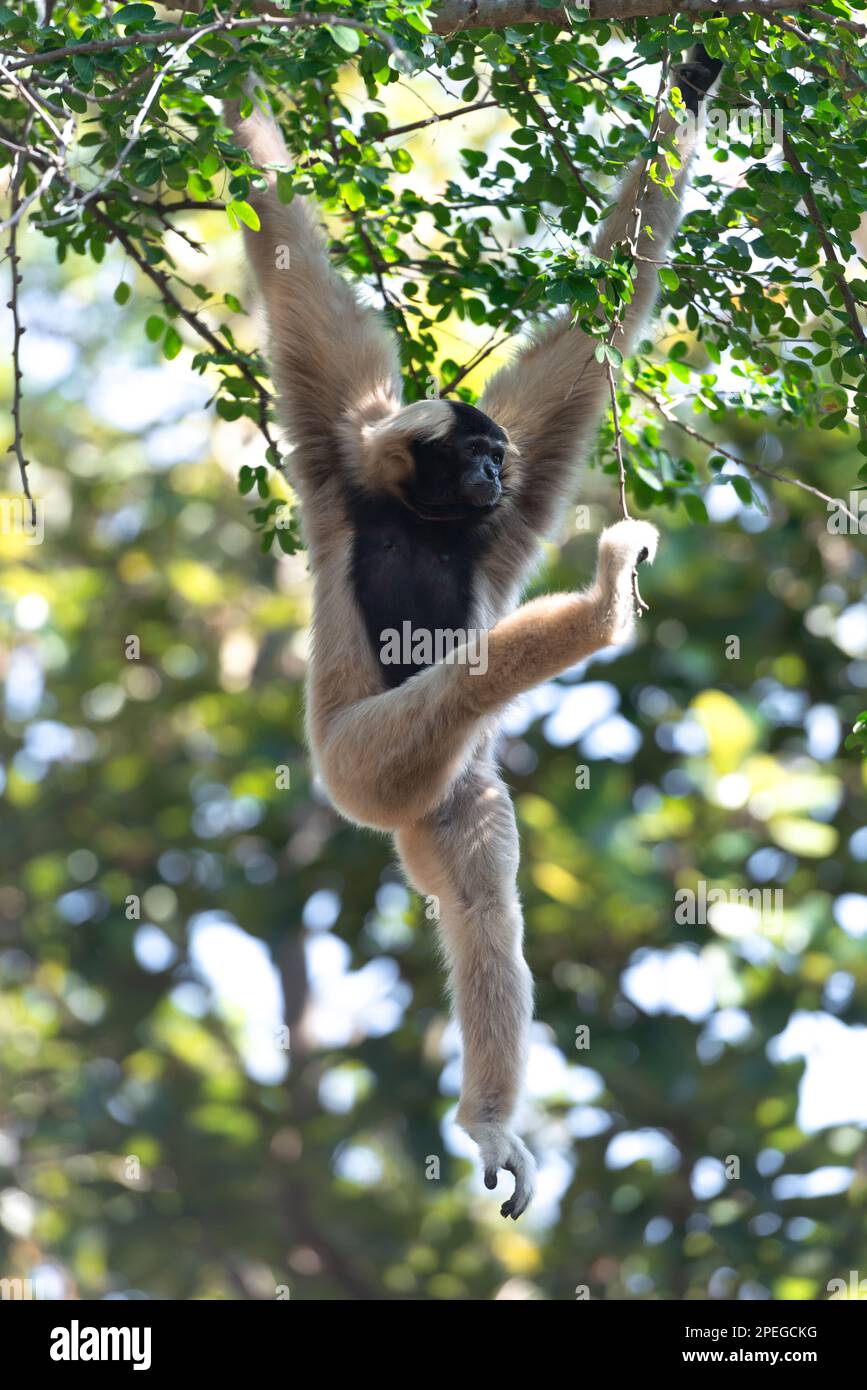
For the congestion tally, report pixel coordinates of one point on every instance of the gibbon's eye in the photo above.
(497, 457)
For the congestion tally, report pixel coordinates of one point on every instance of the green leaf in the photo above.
(668, 278)
(695, 509)
(352, 196)
(74, 102)
(154, 328)
(172, 343)
(133, 14)
(347, 40)
(832, 421)
(122, 293)
(239, 211)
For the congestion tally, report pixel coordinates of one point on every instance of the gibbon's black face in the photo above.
(458, 478)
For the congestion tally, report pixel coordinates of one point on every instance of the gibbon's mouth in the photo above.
(466, 512)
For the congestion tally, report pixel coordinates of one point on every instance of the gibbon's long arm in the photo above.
(550, 398)
(334, 361)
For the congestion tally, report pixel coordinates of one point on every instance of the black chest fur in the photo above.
(406, 570)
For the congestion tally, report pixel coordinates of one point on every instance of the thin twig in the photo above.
(632, 245)
(743, 463)
(40, 107)
(17, 445)
(589, 194)
(161, 280)
(433, 120)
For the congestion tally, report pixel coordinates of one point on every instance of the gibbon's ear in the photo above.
(383, 461)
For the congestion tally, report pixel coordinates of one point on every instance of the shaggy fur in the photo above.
(417, 760)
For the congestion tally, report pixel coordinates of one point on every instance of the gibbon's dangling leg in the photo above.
(466, 855)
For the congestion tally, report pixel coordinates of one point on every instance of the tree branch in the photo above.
(454, 15)
(185, 33)
(672, 419)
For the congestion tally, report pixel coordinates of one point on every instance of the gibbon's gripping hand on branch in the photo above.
(696, 76)
(550, 398)
(334, 361)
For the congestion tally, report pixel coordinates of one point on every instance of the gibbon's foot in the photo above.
(500, 1148)
(622, 548)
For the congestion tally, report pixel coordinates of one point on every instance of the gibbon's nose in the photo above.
(480, 484)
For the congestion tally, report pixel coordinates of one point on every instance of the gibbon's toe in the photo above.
(501, 1149)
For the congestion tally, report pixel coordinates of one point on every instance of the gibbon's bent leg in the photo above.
(334, 361)
(391, 758)
(466, 854)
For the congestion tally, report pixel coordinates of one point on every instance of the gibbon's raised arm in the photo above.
(550, 398)
(334, 361)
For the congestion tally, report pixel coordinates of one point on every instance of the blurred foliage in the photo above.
(137, 1151)
(153, 658)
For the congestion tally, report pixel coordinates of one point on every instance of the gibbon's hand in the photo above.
(696, 76)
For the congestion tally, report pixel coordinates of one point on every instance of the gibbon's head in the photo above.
(443, 459)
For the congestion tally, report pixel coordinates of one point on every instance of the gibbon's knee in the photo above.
(466, 851)
(391, 759)
(386, 783)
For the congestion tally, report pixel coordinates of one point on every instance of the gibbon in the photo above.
(431, 514)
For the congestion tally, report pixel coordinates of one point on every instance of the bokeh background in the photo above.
(176, 892)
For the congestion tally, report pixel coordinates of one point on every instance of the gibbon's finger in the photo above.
(508, 1207)
(491, 1178)
(642, 555)
(517, 1204)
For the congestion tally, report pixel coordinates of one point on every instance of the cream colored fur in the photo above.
(417, 761)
